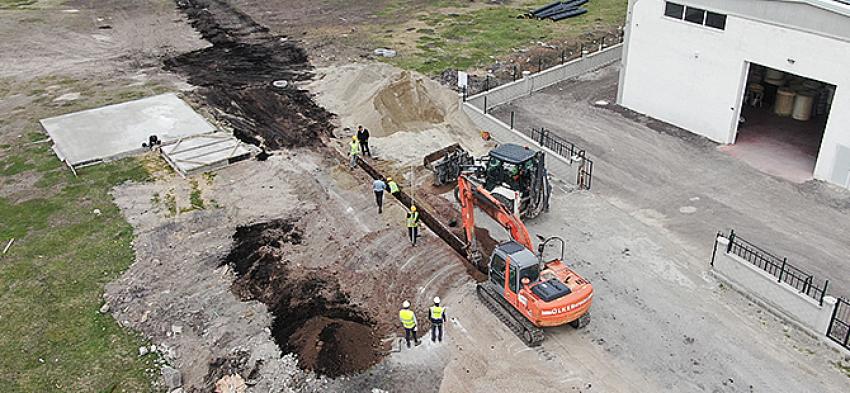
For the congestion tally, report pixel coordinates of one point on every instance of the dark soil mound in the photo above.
(313, 316)
(236, 75)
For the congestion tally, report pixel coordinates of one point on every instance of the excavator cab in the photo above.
(516, 175)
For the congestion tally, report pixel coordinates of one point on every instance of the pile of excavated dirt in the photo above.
(236, 75)
(313, 317)
(407, 114)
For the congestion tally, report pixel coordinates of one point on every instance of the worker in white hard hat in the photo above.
(408, 321)
(438, 316)
(413, 225)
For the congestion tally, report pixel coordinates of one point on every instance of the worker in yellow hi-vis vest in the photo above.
(413, 224)
(408, 321)
(438, 316)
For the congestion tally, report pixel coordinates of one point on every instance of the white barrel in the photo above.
(784, 105)
(775, 82)
(803, 105)
(774, 74)
(811, 85)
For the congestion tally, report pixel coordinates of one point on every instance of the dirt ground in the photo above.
(287, 276)
(679, 184)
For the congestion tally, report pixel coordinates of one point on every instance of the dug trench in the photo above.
(313, 317)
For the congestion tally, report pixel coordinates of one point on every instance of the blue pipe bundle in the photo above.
(560, 10)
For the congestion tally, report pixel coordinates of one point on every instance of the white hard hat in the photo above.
(436, 300)
(406, 304)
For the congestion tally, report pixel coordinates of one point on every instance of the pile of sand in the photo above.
(407, 114)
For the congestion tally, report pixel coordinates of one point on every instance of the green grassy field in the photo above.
(52, 338)
(471, 37)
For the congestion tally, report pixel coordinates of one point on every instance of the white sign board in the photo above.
(462, 79)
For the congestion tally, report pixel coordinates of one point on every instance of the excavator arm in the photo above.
(471, 196)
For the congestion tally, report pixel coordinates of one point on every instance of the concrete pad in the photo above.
(205, 152)
(118, 130)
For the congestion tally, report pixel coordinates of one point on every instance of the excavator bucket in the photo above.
(447, 163)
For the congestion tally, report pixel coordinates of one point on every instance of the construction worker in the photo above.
(363, 137)
(413, 224)
(392, 186)
(354, 152)
(378, 186)
(408, 321)
(438, 316)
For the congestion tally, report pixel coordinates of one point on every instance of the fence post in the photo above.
(782, 269)
(542, 136)
(563, 56)
(823, 293)
(731, 241)
(487, 83)
(539, 64)
(465, 93)
(602, 46)
(714, 251)
(485, 105)
(581, 50)
(512, 120)
(514, 73)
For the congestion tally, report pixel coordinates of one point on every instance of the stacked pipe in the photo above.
(560, 10)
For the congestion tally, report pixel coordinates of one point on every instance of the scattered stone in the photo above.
(172, 377)
(231, 384)
(176, 329)
(67, 97)
(143, 351)
(601, 103)
(178, 390)
(96, 212)
(153, 348)
(104, 308)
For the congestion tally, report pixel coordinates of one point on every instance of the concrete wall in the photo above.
(780, 298)
(534, 82)
(693, 76)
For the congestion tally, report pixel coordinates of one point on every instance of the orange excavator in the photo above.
(526, 292)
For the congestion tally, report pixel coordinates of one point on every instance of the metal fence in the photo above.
(568, 150)
(839, 325)
(548, 57)
(778, 267)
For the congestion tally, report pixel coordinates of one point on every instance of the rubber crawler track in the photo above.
(528, 333)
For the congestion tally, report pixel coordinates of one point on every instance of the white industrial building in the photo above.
(768, 78)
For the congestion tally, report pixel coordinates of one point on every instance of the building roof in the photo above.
(839, 6)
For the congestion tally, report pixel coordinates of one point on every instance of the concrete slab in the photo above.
(115, 131)
(205, 152)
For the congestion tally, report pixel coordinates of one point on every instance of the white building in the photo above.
(784, 65)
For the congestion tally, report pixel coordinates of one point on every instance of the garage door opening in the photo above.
(783, 119)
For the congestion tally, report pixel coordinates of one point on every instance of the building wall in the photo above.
(693, 76)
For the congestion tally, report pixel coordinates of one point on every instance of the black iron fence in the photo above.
(778, 267)
(540, 59)
(839, 325)
(566, 149)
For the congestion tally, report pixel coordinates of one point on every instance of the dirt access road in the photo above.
(679, 185)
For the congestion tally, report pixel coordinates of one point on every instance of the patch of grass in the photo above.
(474, 38)
(209, 177)
(170, 202)
(52, 339)
(12, 4)
(196, 199)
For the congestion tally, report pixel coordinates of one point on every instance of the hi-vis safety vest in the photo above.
(393, 186)
(355, 148)
(412, 219)
(408, 320)
(436, 313)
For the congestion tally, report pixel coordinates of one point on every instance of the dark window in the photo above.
(717, 21)
(695, 15)
(514, 279)
(497, 270)
(674, 10)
